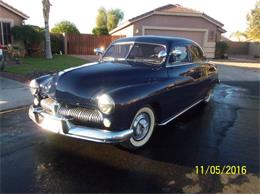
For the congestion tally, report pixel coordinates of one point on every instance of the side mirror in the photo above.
(98, 51)
(176, 53)
(162, 54)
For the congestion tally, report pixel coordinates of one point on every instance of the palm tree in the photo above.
(46, 11)
(239, 36)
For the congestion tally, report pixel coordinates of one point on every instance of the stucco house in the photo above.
(9, 17)
(175, 20)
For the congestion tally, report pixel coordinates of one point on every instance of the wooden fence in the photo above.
(84, 44)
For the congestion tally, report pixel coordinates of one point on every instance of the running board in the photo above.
(180, 113)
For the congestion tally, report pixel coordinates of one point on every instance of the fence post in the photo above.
(65, 43)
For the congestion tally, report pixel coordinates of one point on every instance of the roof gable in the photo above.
(169, 9)
(14, 10)
(176, 8)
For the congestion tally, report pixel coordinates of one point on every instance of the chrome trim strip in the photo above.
(176, 65)
(180, 113)
(139, 42)
(124, 43)
(76, 131)
(150, 43)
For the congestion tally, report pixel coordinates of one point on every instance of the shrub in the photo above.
(221, 50)
(30, 36)
(57, 43)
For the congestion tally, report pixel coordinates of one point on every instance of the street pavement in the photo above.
(13, 94)
(224, 132)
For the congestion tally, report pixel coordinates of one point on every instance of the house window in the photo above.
(5, 33)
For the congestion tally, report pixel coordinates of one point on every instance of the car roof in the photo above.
(165, 40)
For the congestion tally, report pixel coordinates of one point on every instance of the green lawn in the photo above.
(39, 64)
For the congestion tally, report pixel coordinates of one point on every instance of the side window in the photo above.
(196, 53)
(181, 55)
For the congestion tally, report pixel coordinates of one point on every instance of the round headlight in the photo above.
(33, 86)
(105, 103)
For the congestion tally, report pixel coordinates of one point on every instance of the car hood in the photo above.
(82, 84)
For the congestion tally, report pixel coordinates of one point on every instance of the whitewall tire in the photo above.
(208, 96)
(143, 127)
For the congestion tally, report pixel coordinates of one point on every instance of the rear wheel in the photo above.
(143, 126)
(208, 96)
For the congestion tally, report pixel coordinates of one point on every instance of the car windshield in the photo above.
(117, 52)
(138, 52)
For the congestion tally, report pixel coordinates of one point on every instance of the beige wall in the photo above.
(6, 15)
(196, 28)
(237, 47)
(177, 22)
(254, 49)
(197, 36)
(127, 31)
(243, 48)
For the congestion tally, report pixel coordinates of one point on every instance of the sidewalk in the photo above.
(13, 94)
(237, 63)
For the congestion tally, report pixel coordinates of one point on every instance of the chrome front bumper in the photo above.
(63, 126)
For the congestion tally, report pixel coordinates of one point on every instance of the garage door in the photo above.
(193, 35)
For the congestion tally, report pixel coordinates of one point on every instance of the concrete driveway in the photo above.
(13, 94)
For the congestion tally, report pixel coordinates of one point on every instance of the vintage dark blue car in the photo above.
(138, 83)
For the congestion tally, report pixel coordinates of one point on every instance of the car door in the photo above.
(183, 75)
(201, 69)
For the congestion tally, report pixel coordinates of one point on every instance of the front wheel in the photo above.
(143, 126)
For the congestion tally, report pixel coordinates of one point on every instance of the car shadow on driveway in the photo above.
(223, 132)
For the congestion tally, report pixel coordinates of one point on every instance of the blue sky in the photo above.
(232, 13)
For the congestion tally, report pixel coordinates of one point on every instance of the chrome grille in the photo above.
(81, 114)
(75, 113)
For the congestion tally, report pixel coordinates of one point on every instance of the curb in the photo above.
(5, 111)
(15, 77)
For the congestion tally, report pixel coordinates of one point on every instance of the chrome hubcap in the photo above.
(141, 126)
(208, 96)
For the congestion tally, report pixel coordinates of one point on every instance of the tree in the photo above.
(65, 27)
(101, 19)
(253, 19)
(113, 18)
(100, 31)
(107, 20)
(238, 35)
(46, 11)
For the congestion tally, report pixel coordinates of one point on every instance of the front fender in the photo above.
(130, 99)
